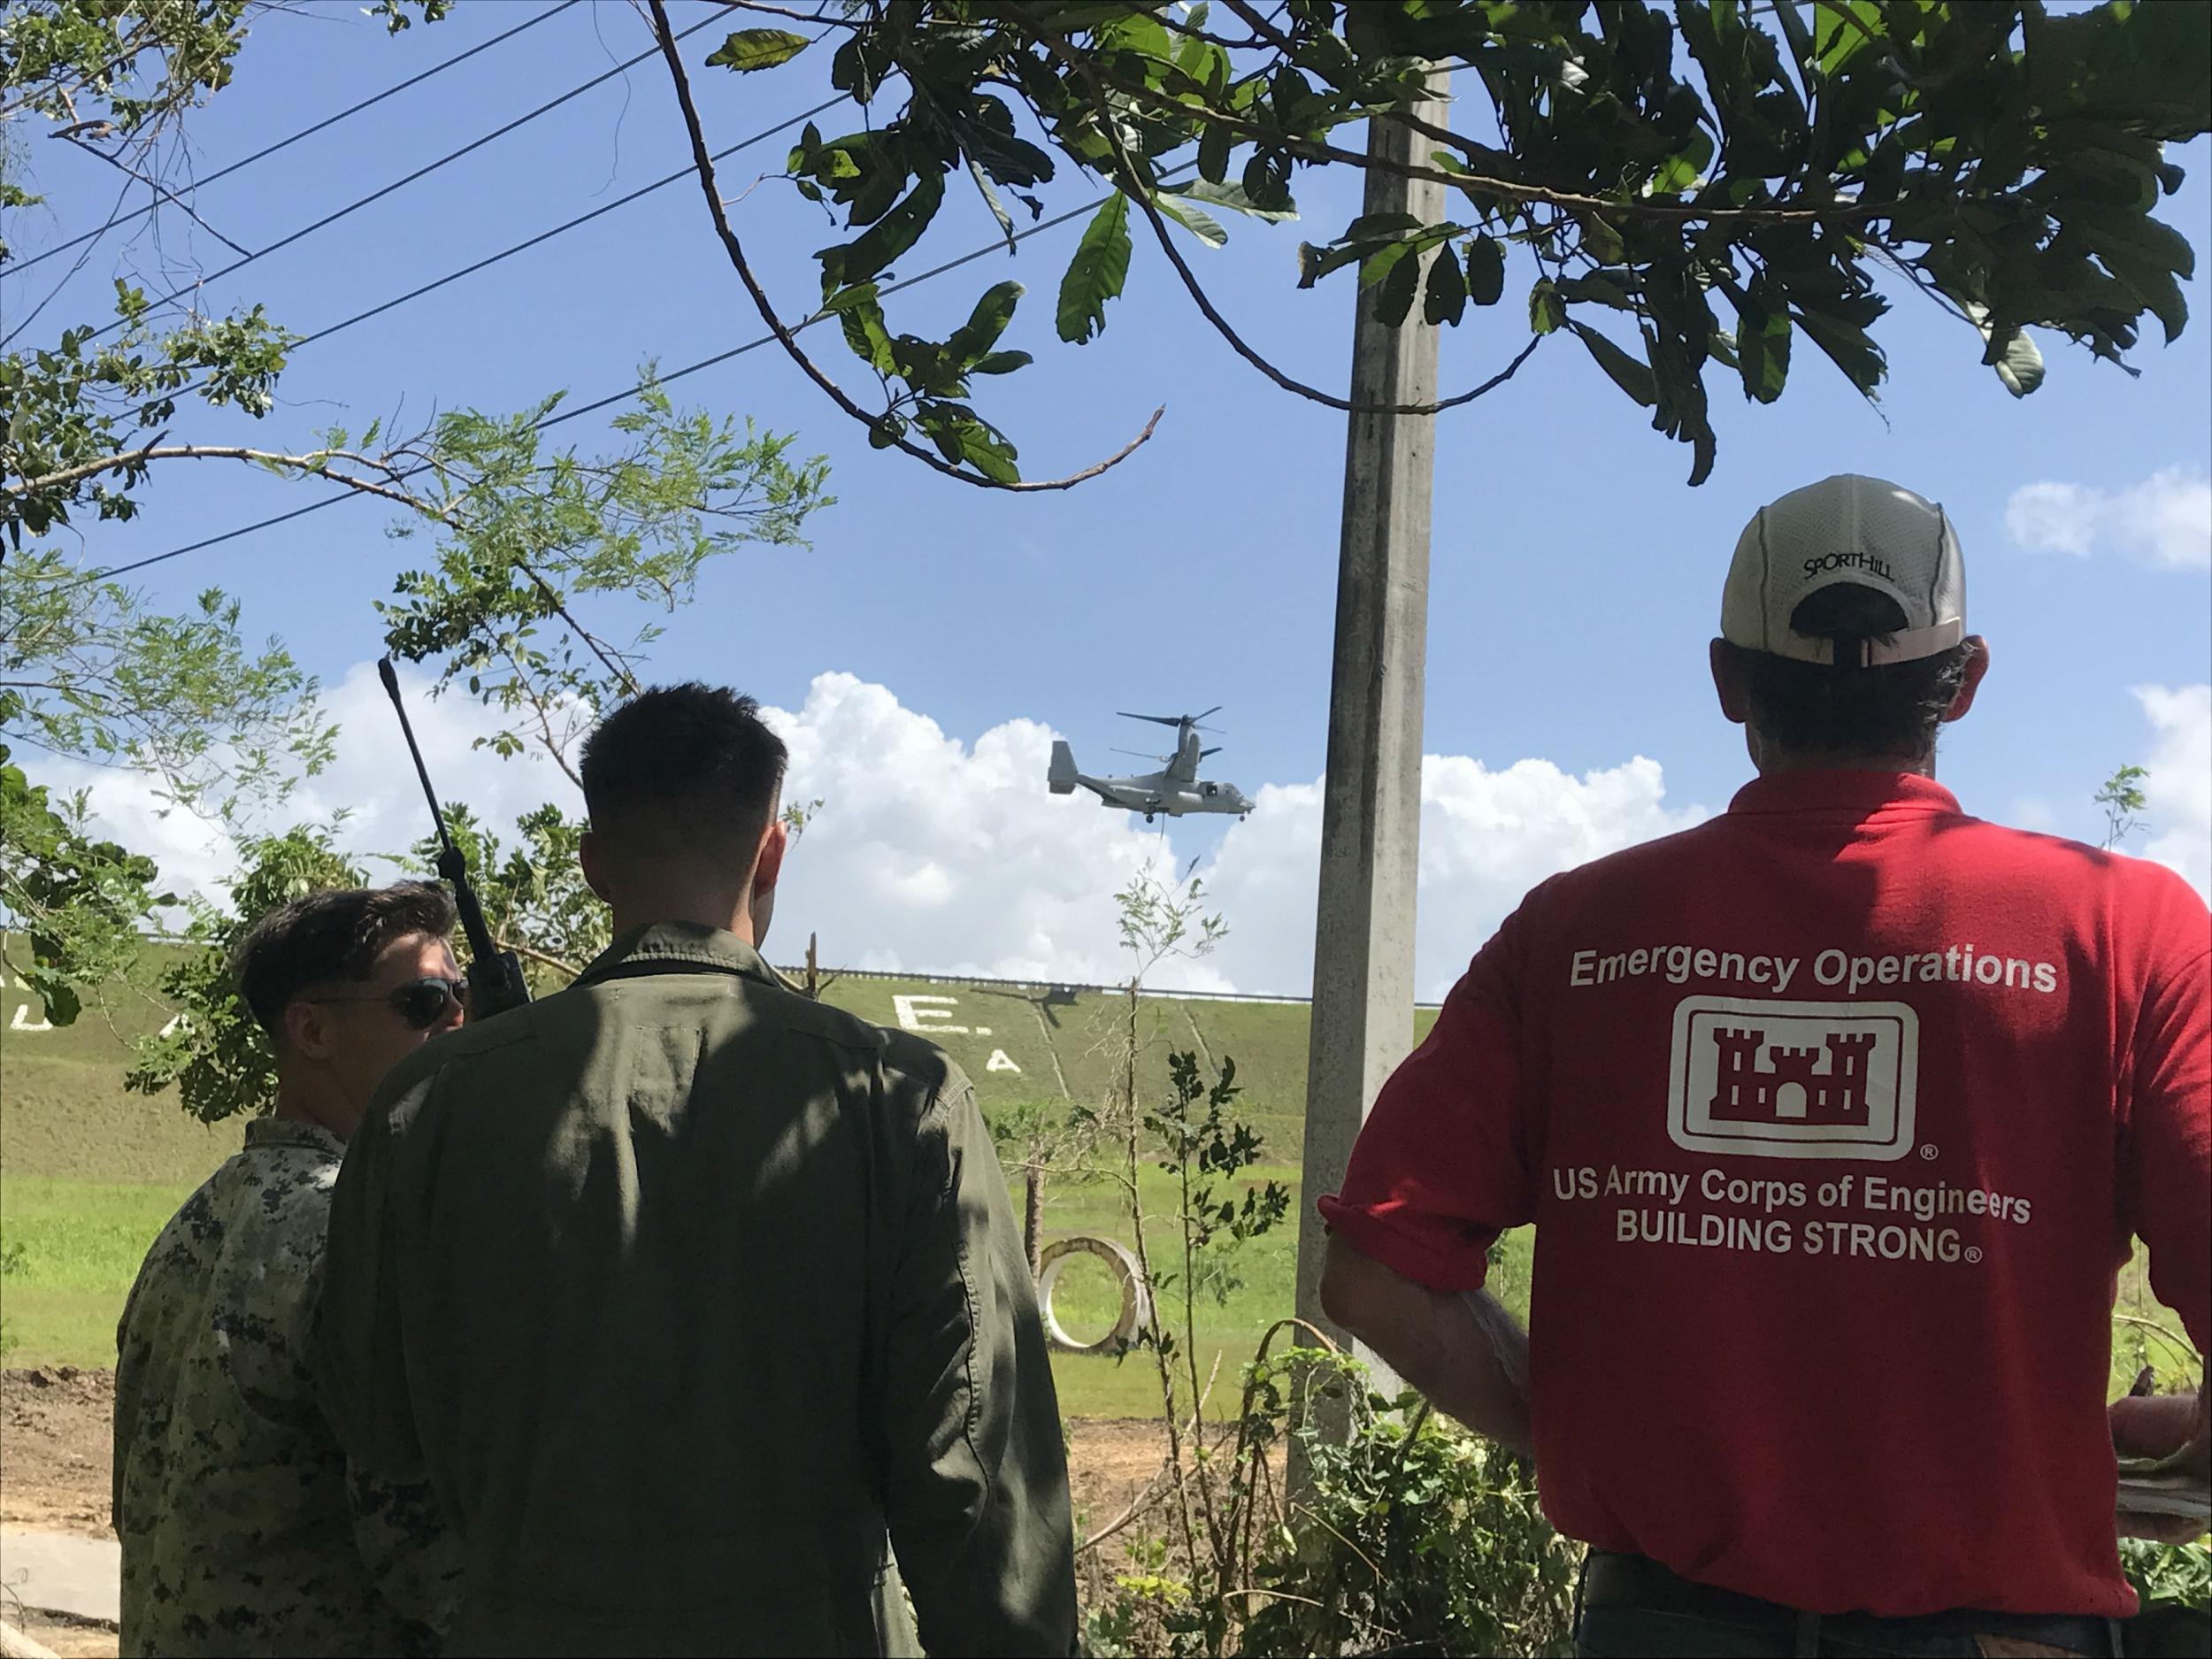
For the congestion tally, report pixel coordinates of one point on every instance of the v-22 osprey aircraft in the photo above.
(1175, 790)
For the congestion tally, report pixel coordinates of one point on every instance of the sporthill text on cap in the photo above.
(1847, 529)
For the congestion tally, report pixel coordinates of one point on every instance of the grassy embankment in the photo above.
(89, 1173)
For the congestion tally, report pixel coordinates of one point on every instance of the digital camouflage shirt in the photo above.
(243, 1532)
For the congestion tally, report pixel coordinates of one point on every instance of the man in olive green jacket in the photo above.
(688, 1294)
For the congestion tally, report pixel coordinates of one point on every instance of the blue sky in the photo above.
(1576, 578)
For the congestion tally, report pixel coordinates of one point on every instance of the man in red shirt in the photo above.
(1835, 1116)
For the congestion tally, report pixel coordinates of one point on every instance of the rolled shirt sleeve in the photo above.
(2166, 1139)
(1443, 1163)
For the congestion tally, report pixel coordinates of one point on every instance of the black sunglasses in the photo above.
(422, 1003)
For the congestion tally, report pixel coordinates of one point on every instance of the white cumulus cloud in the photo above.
(931, 854)
(373, 780)
(1487, 837)
(370, 782)
(2165, 521)
(191, 854)
(2178, 789)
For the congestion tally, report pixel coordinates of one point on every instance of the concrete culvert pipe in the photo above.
(1135, 1317)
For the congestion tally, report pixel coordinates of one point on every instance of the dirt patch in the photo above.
(1109, 1461)
(64, 1638)
(57, 1441)
(56, 1449)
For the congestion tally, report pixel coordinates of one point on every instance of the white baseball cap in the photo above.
(1847, 529)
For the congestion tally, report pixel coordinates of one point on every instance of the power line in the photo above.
(378, 310)
(548, 235)
(398, 184)
(21, 265)
(604, 403)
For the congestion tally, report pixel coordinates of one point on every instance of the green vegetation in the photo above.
(1684, 190)
(88, 1171)
(81, 1243)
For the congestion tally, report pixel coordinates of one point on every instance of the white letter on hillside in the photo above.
(927, 1016)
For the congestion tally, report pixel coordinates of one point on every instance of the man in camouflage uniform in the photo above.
(243, 1532)
(689, 1293)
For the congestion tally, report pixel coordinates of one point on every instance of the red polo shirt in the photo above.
(1835, 1116)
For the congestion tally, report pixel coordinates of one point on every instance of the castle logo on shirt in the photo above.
(1758, 1079)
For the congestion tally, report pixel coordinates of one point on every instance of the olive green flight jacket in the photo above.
(684, 1292)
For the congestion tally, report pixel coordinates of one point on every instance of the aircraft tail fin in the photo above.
(1061, 776)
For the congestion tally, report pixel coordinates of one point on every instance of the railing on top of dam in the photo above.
(798, 975)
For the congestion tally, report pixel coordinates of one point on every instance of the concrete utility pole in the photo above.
(1371, 824)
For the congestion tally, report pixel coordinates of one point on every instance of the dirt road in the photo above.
(56, 1442)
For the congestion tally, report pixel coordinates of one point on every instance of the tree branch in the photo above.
(316, 464)
(703, 162)
(529, 694)
(521, 950)
(816, 17)
(157, 187)
(57, 84)
(1133, 187)
(1514, 189)
(311, 462)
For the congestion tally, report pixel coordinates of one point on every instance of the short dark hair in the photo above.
(335, 934)
(1842, 710)
(682, 763)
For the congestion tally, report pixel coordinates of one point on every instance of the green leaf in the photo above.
(1847, 345)
(1600, 288)
(1444, 297)
(1763, 352)
(1001, 363)
(1267, 179)
(1683, 169)
(1232, 197)
(990, 200)
(749, 49)
(846, 299)
(1376, 226)
(987, 449)
(860, 315)
(1202, 225)
(874, 248)
(61, 1001)
(2019, 363)
(1800, 37)
(1546, 310)
(974, 338)
(1214, 145)
(1485, 269)
(1316, 263)
(1377, 262)
(1394, 302)
(1631, 374)
(1600, 241)
(1096, 273)
(2148, 255)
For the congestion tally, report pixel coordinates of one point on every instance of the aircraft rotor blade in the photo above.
(1216, 749)
(1137, 754)
(1157, 719)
